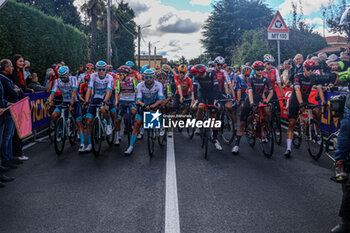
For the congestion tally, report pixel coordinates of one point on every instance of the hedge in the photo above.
(40, 38)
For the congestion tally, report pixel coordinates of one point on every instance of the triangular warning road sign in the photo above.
(278, 24)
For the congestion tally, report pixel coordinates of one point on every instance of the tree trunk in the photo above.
(93, 38)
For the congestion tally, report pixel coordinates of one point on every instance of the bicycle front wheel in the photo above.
(315, 139)
(150, 142)
(52, 131)
(110, 138)
(60, 137)
(96, 137)
(73, 129)
(227, 128)
(205, 142)
(250, 132)
(297, 139)
(277, 129)
(266, 142)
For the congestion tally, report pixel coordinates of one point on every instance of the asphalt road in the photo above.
(245, 193)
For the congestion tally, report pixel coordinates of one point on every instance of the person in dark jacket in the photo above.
(12, 95)
(34, 83)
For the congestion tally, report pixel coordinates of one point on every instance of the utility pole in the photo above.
(149, 53)
(139, 44)
(109, 32)
(155, 54)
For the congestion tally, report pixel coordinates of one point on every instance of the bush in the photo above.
(39, 38)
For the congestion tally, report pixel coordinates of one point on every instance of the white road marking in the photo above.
(172, 220)
(34, 143)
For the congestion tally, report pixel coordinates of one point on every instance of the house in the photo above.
(144, 60)
(335, 45)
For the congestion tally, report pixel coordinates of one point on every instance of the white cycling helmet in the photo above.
(219, 60)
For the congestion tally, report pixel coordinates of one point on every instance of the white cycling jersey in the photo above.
(65, 88)
(100, 86)
(149, 95)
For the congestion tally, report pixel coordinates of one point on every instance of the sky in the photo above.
(176, 24)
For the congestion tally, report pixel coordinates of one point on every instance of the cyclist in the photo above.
(256, 85)
(133, 73)
(100, 90)
(211, 65)
(68, 86)
(125, 93)
(89, 68)
(275, 79)
(208, 93)
(246, 72)
(184, 85)
(237, 88)
(83, 88)
(149, 96)
(303, 83)
(161, 77)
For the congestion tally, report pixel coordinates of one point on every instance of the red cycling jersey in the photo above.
(186, 85)
(273, 76)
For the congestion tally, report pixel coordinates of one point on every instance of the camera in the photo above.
(323, 79)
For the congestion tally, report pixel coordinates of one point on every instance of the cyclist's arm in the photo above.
(139, 95)
(298, 94)
(117, 90)
(239, 95)
(269, 97)
(160, 97)
(88, 94)
(108, 96)
(74, 94)
(250, 91)
(320, 92)
(53, 91)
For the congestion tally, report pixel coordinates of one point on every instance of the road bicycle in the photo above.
(309, 129)
(65, 127)
(205, 133)
(227, 129)
(276, 121)
(258, 127)
(99, 125)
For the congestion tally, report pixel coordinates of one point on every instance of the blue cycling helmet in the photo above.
(130, 63)
(149, 73)
(63, 71)
(101, 65)
(144, 68)
(190, 67)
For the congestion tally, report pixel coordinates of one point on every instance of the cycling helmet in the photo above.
(130, 63)
(198, 69)
(190, 67)
(101, 65)
(109, 67)
(63, 71)
(148, 74)
(182, 68)
(124, 69)
(236, 66)
(269, 58)
(309, 64)
(157, 67)
(177, 63)
(219, 60)
(164, 68)
(89, 65)
(211, 63)
(258, 65)
(160, 74)
(246, 71)
(144, 68)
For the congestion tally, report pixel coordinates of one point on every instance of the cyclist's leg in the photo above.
(135, 131)
(202, 97)
(293, 111)
(90, 114)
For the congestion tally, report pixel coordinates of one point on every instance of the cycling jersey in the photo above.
(149, 95)
(65, 88)
(208, 87)
(100, 86)
(257, 86)
(136, 75)
(83, 89)
(126, 89)
(223, 78)
(166, 90)
(186, 85)
(274, 77)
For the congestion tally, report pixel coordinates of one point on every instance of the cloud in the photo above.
(138, 7)
(173, 24)
(327, 31)
(314, 21)
(174, 43)
(307, 5)
(200, 2)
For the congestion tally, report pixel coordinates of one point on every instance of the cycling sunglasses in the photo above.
(181, 72)
(271, 64)
(148, 77)
(260, 69)
(161, 78)
(101, 70)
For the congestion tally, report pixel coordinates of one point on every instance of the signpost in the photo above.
(278, 30)
(2, 3)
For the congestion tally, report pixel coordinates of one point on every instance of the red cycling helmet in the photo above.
(246, 71)
(124, 69)
(198, 69)
(309, 64)
(258, 65)
(89, 65)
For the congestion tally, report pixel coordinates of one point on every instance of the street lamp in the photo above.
(139, 42)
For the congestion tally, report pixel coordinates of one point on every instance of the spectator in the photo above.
(35, 85)
(286, 73)
(26, 72)
(344, 64)
(18, 76)
(62, 63)
(49, 74)
(322, 56)
(297, 67)
(12, 95)
(18, 79)
(317, 62)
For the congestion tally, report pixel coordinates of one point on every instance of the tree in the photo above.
(93, 8)
(183, 60)
(59, 8)
(229, 20)
(126, 34)
(333, 14)
(255, 44)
